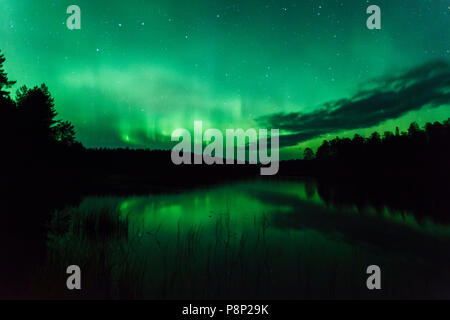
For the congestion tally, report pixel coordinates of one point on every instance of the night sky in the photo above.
(139, 69)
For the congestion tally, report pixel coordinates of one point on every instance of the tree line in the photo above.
(415, 147)
(33, 134)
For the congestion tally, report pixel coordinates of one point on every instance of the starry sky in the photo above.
(139, 69)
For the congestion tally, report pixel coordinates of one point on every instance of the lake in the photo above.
(269, 239)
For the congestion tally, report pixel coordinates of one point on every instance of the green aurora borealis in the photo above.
(139, 69)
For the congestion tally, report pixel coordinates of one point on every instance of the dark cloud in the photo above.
(378, 100)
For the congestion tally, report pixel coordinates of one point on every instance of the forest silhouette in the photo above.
(37, 142)
(43, 148)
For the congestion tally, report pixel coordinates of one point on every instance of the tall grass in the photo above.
(120, 259)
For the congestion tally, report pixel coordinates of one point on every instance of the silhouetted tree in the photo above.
(308, 154)
(413, 128)
(388, 135)
(64, 132)
(323, 152)
(4, 82)
(375, 138)
(8, 116)
(37, 113)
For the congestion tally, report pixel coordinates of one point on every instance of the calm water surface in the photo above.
(255, 239)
